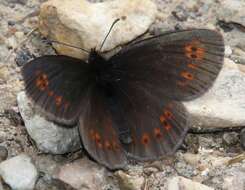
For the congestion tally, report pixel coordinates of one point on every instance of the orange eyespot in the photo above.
(168, 127)
(42, 82)
(108, 145)
(50, 93)
(187, 75)
(58, 100)
(97, 137)
(145, 139)
(162, 118)
(157, 133)
(194, 51)
(168, 114)
(192, 66)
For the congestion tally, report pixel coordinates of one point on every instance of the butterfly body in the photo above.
(130, 104)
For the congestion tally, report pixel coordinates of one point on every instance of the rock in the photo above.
(235, 180)
(83, 173)
(19, 172)
(49, 137)
(242, 138)
(52, 184)
(222, 106)
(3, 153)
(181, 183)
(230, 138)
(192, 159)
(185, 169)
(228, 51)
(129, 182)
(85, 24)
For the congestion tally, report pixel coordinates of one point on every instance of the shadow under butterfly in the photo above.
(130, 104)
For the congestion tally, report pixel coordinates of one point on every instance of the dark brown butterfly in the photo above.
(128, 105)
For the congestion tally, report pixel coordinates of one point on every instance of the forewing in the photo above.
(99, 132)
(58, 85)
(184, 63)
(151, 125)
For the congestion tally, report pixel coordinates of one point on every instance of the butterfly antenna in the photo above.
(109, 32)
(62, 43)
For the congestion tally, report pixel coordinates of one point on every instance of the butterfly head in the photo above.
(95, 58)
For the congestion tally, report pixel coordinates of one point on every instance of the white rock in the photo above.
(83, 173)
(19, 172)
(85, 24)
(49, 137)
(223, 104)
(181, 183)
(234, 181)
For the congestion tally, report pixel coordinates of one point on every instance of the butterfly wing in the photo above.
(99, 132)
(183, 64)
(150, 124)
(151, 77)
(58, 84)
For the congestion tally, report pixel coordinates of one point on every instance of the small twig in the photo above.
(236, 159)
(19, 44)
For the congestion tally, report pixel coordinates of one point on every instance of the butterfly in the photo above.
(128, 106)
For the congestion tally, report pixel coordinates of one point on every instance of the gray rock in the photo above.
(3, 153)
(49, 137)
(223, 105)
(85, 24)
(242, 138)
(235, 180)
(19, 172)
(83, 174)
(181, 183)
(230, 138)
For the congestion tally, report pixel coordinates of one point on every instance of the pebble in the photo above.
(19, 172)
(83, 173)
(3, 153)
(231, 138)
(49, 136)
(181, 183)
(129, 182)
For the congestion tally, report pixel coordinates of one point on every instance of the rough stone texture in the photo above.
(234, 180)
(49, 137)
(181, 183)
(226, 16)
(85, 24)
(19, 172)
(129, 182)
(222, 105)
(83, 174)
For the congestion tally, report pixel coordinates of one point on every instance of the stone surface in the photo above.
(85, 24)
(83, 174)
(19, 172)
(222, 105)
(234, 179)
(3, 153)
(242, 138)
(49, 137)
(181, 183)
(231, 138)
(129, 182)
(226, 16)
